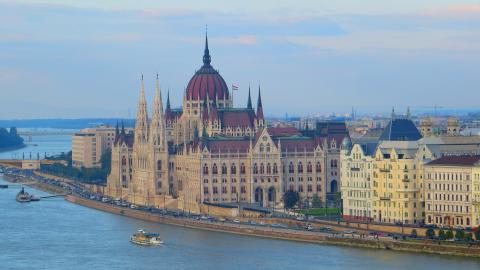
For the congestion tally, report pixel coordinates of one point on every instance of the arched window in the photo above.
(255, 168)
(262, 169)
(309, 167)
(214, 169)
(233, 169)
(290, 167)
(331, 163)
(205, 168)
(300, 167)
(318, 167)
(242, 168)
(159, 165)
(275, 169)
(224, 168)
(261, 148)
(269, 168)
(268, 147)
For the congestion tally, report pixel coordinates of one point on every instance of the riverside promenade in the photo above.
(256, 230)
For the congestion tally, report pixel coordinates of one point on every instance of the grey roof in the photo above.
(400, 129)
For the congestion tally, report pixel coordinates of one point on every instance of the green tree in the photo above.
(414, 233)
(316, 202)
(442, 235)
(468, 237)
(460, 234)
(477, 234)
(430, 233)
(449, 234)
(290, 198)
(106, 160)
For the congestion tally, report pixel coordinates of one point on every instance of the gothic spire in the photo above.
(249, 103)
(259, 105)
(168, 99)
(123, 129)
(206, 52)
(117, 131)
(157, 128)
(141, 123)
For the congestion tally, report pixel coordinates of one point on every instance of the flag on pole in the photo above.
(234, 87)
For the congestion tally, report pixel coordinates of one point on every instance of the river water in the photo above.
(55, 234)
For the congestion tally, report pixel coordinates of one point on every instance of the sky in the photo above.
(76, 59)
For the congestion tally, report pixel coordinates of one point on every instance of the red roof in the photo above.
(207, 80)
(298, 144)
(228, 145)
(463, 160)
(283, 131)
(237, 118)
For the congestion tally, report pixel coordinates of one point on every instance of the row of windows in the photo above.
(452, 187)
(269, 169)
(448, 197)
(448, 208)
(447, 176)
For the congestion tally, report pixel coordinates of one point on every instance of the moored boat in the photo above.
(146, 239)
(23, 196)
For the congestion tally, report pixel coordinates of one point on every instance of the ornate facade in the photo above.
(208, 151)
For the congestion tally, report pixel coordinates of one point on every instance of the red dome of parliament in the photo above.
(207, 80)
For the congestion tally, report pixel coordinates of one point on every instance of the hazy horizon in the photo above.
(69, 59)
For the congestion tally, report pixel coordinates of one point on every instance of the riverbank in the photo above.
(285, 234)
(12, 148)
(256, 230)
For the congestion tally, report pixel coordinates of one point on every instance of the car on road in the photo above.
(349, 232)
(236, 220)
(133, 206)
(300, 218)
(308, 227)
(222, 219)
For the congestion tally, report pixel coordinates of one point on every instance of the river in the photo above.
(55, 234)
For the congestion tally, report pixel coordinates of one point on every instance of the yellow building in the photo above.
(356, 178)
(88, 145)
(452, 186)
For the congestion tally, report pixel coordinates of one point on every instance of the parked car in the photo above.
(236, 220)
(300, 218)
(133, 206)
(308, 227)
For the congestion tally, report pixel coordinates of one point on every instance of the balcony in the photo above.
(384, 198)
(355, 169)
(384, 170)
(405, 180)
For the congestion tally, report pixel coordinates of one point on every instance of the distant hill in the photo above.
(65, 123)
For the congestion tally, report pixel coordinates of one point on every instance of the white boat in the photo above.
(146, 239)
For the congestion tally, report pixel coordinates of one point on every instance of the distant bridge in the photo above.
(30, 134)
(46, 133)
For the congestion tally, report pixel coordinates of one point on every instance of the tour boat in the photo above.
(23, 196)
(146, 239)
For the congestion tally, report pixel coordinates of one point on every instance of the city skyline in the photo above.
(87, 59)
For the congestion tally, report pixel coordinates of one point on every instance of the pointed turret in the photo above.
(259, 106)
(123, 129)
(249, 102)
(206, 52)
(168, 110)
(408, 112)
(117, 131)
(141, 122)
(205, 110)
(157, 127)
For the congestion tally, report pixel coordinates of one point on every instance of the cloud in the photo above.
(237, 40)
(460, 11)
(411, 40)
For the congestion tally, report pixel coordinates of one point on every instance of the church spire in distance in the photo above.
(249, 102)
(206, 52)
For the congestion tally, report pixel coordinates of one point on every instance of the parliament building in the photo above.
(208, 152)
